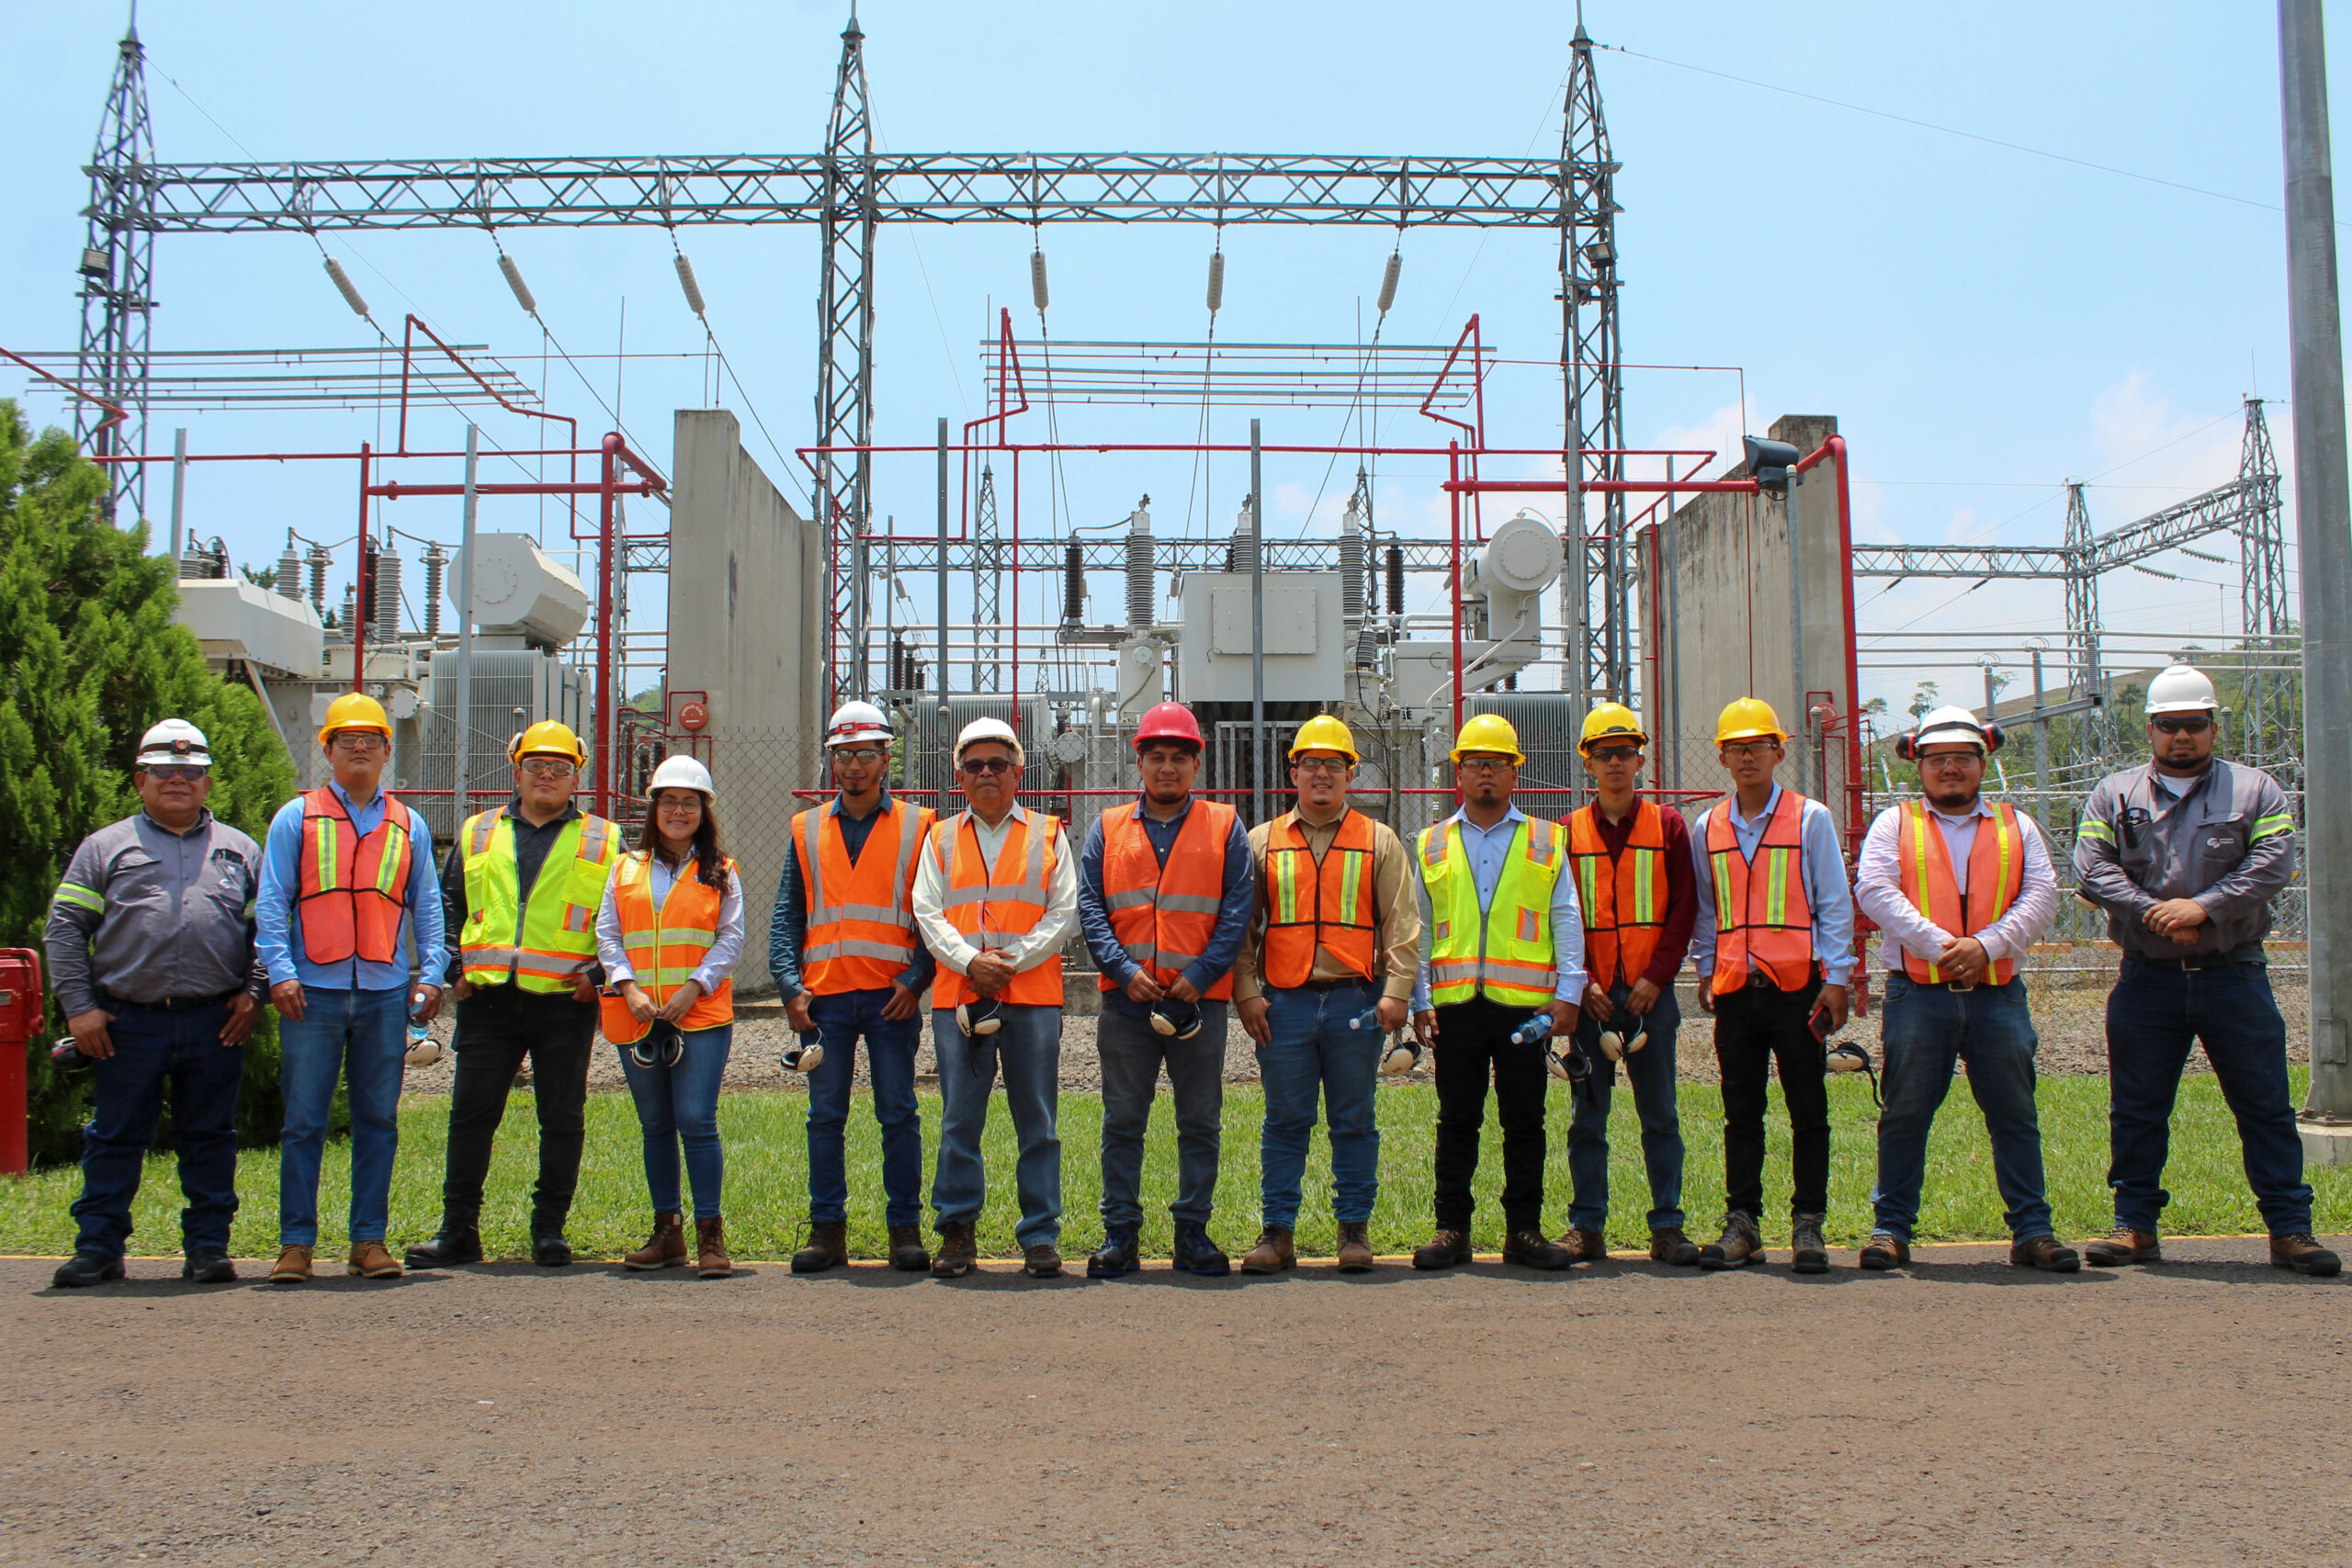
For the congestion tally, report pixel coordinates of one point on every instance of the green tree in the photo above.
(92, 658)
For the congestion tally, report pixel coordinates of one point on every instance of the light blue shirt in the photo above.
(612, 951)
(1488, 848)
(278, 940)
(1819, 862)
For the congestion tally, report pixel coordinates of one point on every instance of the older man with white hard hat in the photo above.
(996, 896)
(1960, 887)
(2185, 855)
(150, 948)
(843, 948)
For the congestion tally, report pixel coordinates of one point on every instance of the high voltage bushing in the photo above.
(1243, 557)
(288, 581)
(1073, 583)
(317, 560)
(515, 281)
(687, 282)
(1395, 580)
(436, 562)
(344, 285)
(387, 584)
(1142, 582)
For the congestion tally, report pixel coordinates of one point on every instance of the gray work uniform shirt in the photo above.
(2228, 843)
(147, 915)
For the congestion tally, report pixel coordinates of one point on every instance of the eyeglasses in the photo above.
(2183, 723)
(174, 773)
(359, 743)
(689, 806)
(1485, 765)
(1614, 753)
(976, 766)
(1321, 765)
(859, 756)
(547, 768)
(1748, 751)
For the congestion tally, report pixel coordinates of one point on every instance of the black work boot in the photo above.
(828, 1247)
(86, 1269)
(1117, 1256)
(959, 1251)
(550, 1248)
(459, 1242)
(1194, 1253)
(208, 1266)
(1443, 1250)
(907, 1254)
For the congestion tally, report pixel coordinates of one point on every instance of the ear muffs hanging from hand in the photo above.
(1845, 1056)
(980, 1017)
(1617, 1044)
(803, 1057)
(1175, 1020)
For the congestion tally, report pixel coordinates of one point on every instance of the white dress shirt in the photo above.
(1878, 885)
(1041, 942)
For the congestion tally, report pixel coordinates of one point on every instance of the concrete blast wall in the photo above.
(747, 617)
(1729, 614)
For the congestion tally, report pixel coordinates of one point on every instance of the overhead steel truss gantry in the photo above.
(850, 192)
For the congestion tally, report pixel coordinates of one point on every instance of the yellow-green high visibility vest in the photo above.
(549, 943)
(1503, 952)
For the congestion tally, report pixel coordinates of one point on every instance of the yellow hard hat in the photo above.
(1487, 732)
(548, 738)
(354, 710)
(1324, 733)
(1609, 721)
(1748, 718)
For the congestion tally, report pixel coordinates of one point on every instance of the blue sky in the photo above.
(1984, 323)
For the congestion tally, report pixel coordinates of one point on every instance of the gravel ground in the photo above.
(1962, 1414)
(2070, 1018)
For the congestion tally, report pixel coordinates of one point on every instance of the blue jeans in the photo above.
(1650, 1072)
(361, 1036)
(890, 1044)
(1313, 1054)
(2151, 1016)
(1029, 1048)
(1925, 1030)
(153, 1047)
(1132, 1055)
(677, 1105)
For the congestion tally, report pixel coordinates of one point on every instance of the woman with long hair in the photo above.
(671, 929)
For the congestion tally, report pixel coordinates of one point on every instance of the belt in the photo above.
(172, 1004)
(1351, 982)
(2191, 965)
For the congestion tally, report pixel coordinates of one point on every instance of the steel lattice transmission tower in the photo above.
(987, 564)
(118, 271)
(846, 316)
(1593, 589)
(2083, 625)
(2268, 726)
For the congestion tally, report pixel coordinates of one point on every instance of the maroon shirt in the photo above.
(1681, 888)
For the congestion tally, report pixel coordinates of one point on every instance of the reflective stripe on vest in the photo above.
(1164, 915)
(1313, 905)
(548, 943)
(666, 947)
(1471, 953)
(354, 890)
(1761, 916)
(1995, 876)
(861, 931)
(1006, 901)
(1622, 896)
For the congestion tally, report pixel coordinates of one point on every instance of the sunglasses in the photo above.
(2183, 723)
(1614, 753)
(546, 768)
(1748, 749)
(360, 743)
(976, 766)
(1486, 765)
(174, 773)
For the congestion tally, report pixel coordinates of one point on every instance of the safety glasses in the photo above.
(1485, 765)
(2183, 723)
(547, 768)
(1319, 764)
(859, 756)
(1614, 753)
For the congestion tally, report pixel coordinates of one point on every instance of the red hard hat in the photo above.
(1168, 721)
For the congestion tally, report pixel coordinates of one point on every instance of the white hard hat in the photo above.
(175, 740)
(1951, 726)
(994, 730)
(853, 722)
(2181, 688)
(681, 772)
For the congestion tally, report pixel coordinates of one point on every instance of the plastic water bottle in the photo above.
(1368, 1019)
(1537, 1028)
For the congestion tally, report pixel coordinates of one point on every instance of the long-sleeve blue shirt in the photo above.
(1820, 863)
(277, 939)
(1235, 907)
(1488, 848)
(788, 923)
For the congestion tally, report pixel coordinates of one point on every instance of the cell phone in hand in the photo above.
(1817, 1020)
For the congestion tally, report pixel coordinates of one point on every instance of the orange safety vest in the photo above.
(1761, 916)
(1008, 900)
(1164, 915)
(1312, 905)
(861, 934)
(355, 890)
(666, 947)
(1623, 897)
(1996, 875)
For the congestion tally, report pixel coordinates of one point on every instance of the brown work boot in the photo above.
(959, 1253)
(2304, 1255)
(369, 1260)
(665, 1249)
(1584, 1246)
(1445, 1250)
(908, 1254)
(1741, 1244)
(1670, 1244)
(1887, 1250)
(2045, 1252)
(711, 1261)
(292, 1268)
(1530, 1250)
(1043, 1261)
(1273, 1253)
(1355, 1246)
(828, 1247)
(2121, 1246)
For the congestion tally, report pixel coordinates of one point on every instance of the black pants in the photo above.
(497, 1027)
(1474, 1045)
(1752, 1028)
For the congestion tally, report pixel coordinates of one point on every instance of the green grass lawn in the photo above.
(767, 1189)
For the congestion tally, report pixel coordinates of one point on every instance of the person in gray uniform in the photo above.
(150, 950)
(2185, 855)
